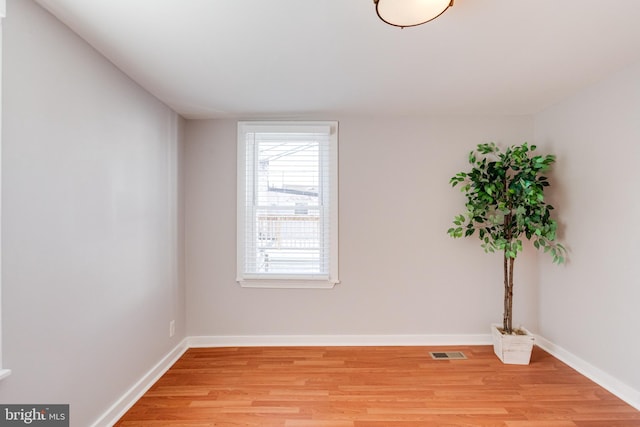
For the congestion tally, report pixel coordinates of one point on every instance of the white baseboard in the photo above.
(336, 340)
(615, 386)
(122, 405)
(4, 373)
(118, 409)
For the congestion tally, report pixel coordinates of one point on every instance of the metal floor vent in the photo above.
(447, 355)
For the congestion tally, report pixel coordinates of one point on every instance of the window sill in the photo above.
(287, 283)
(4, 373)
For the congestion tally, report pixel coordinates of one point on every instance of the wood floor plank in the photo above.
(373, 387)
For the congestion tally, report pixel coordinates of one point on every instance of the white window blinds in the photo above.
(287, 204)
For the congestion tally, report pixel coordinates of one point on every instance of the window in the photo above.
(288, 204)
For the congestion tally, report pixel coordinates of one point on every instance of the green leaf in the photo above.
(504, 191)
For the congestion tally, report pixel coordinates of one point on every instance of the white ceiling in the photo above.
(259, 58)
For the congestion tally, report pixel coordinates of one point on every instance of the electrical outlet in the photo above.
(172, 328)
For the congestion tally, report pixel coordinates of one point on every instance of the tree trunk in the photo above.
(510, 319)
(506, 313)
(507, 318)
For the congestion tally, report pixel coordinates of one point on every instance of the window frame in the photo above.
(297, 281)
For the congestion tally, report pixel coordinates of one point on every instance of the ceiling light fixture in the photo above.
(409, 13)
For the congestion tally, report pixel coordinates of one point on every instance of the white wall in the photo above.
(3, 8)
(92, 250)
(90, 246)
(591, 307)
(400, 272)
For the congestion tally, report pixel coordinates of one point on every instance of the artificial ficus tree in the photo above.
(506, 203)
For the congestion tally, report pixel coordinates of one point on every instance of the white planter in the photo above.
(512, 349)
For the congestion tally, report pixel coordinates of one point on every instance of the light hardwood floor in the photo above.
(373, 386)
